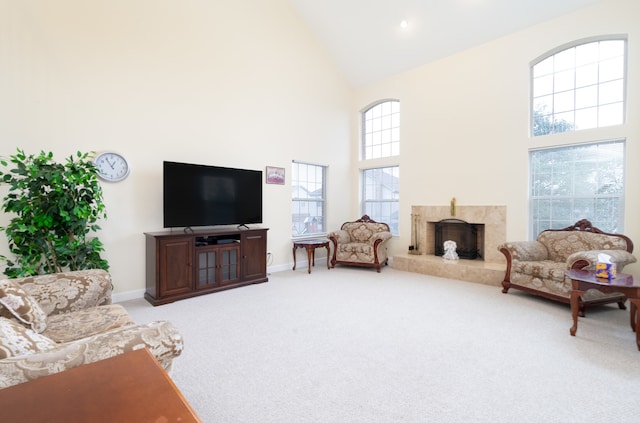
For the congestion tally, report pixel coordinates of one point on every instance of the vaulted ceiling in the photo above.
(368, 43)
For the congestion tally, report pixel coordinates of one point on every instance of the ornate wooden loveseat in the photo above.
(538, 266)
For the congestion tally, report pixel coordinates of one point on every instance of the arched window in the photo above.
(381, 130)
(579, 86)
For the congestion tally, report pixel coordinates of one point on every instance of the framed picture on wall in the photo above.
(275, 175)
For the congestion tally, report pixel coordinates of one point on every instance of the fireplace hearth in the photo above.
(468, 237)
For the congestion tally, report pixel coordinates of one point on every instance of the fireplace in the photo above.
(491, 228)
(468, 237)
(492, 219)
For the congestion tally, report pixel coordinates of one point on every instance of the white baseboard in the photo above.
(139, 293)
(300, 264)
(128, 295)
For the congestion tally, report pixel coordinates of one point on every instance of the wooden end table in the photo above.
(131, 387)
(310, 245)
(582, 280)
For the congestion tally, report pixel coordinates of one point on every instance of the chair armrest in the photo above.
(69, 291)
(383, 236)
(525, 250)
(587, 259)
(339, 237)
(161, 338)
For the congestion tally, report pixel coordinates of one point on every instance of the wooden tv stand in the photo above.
(182, 265)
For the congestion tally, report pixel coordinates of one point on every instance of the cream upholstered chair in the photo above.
(361, 243)
(538, 266)
(51, 323)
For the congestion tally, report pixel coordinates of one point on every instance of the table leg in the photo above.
(633, 314)
(309, 253)
(328, 256)
(294, 257)
(575, 308)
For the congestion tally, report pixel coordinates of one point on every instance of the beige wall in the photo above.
(238, 84)
(474, 106)
(244, 84)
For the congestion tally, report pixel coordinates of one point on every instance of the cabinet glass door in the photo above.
(207, 268)
(229, 264)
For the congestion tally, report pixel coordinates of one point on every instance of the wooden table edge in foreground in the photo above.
(130, 387)
(582, 280)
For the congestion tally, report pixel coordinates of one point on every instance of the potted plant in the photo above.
(57, 207)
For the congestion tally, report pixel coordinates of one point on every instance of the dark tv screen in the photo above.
(201, 195)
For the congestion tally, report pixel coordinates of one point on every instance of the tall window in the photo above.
(380, 195)
(380, 186)
(308, 194)
(578, 182)
(381, 130)
(579, 87)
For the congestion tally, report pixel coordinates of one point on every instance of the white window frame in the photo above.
(383, 204)
(381, 129)
(593, 164)
(305, 208)
(561, 101)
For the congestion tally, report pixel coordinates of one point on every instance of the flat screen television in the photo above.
(201, 195)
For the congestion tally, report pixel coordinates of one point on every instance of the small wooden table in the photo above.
(130, 387)
(582, 280)
(310, 245)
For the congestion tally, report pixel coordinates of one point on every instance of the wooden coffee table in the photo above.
(310, 245)
(582, 280)
(131, 387)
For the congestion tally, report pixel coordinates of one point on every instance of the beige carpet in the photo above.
(352, 345)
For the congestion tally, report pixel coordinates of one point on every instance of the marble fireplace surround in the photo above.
(488, 270)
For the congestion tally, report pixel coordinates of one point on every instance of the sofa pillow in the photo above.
(16, 303)
(16, 340)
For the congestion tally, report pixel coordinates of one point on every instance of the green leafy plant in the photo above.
(57, 207)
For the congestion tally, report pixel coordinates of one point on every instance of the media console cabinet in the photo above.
(181, 265)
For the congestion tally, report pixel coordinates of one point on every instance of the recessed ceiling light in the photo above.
(404, 24)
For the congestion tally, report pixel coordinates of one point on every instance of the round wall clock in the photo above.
(111, 166)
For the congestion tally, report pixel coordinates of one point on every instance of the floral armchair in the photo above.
(51, 323)
(361, 243)
(539, 266)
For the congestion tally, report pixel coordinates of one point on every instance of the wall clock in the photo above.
(111, 166)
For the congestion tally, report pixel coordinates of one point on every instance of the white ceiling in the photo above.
(366, 41)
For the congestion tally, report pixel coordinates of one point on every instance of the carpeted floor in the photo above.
(352, 345)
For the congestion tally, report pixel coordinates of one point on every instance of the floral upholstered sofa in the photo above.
(361, 243)
(539, 266)
(50, 323)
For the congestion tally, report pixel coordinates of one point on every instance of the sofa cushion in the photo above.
(17, 340)
(561, 244)
(363, 231)
(16, 303)
(356, 252)
(80, 324)
(61, 293)
(545, 269)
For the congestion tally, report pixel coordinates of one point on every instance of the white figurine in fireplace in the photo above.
(450, 250)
